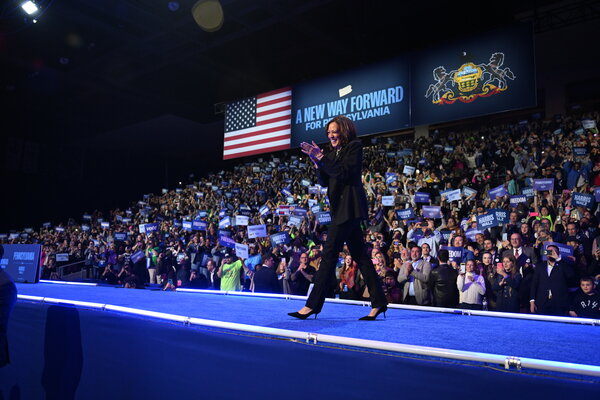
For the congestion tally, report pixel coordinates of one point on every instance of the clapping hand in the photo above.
(312, 150)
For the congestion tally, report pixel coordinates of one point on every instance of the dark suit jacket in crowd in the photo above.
(343, 180)
(265, 280)
(442, 282)
(526, 253)
(558, 283)
(8, 297)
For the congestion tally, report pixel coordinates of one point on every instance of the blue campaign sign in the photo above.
(407, 213)
(451, 195)
(324, 218)
(455, 253)
(470, 234)
(486, 221)
(582, 200)
(391, 177)
(422, 197)
(120, 236)
(302, 212)
(564, 250)
(518, 199)
(199, 225)
(408, 170)
(138, 256)
(501, 215)
(543, 184)
(374, 97)
(187, 226)
(467, 191)
(280, 238)
(148, 228)
(176, 223)
(484, 74)
(227, 241)
(257, 231)
(225, 222)
(498, 191)
(580, 151)
(22, 262)
(432, 211)
(445, 236)
(528, 192)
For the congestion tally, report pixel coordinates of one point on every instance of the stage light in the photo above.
(35, 21)
(208, 14)
(30, 8)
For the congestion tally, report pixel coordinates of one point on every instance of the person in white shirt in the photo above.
(471, 288)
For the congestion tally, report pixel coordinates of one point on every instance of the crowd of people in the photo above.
(499, 218)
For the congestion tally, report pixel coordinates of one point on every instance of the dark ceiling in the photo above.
(89, 66)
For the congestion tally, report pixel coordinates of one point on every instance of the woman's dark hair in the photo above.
(346, 127)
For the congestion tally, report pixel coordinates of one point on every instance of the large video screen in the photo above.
(483, 74)
(376, 98)
(22, 262)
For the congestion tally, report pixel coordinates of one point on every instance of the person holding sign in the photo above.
(340, 171)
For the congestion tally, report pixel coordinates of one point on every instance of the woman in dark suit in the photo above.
(340, 171)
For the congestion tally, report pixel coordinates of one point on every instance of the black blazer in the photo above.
(265, 280)
(558, 282)
(341, 175)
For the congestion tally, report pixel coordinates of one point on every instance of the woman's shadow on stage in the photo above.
(63, 354)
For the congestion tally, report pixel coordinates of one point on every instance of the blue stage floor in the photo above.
(513, 337)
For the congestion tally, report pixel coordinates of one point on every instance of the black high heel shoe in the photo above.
(303, 316)
(374, 317)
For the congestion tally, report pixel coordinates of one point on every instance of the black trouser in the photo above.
(351, 233)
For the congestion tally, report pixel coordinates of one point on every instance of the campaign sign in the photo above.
(485, 74)
(120, 236)
(588, 124)
(391, 177)
(470, 234)
(148, 228)
(126, 220)
(280, 238)
(105, 225)
(62, 257)
(138, 256)
(445, 236)
(60, 229)
(225, 222)
(199, 225)
(305, 182)
(316, 208)
(565, 250)
(302, 212)
(257, 231)
(324, 218)
(432, 211)
(582, 200)
(226, 241)
(223, 232)
(422, 197)
(295, 220)
(455, 253)
(498, 191)
(518, 199)
(186, 225)
(451, 195)
(543, 184)
(486, 221)
(500, 214)
(241, 250)
(241, 220)
(387, 201)
(22, 261)
(579, 151)
(408, 170)
(85, 228)
(314, 190)
(46, 225)
(87, 217)
(407, 213)
(467, 191)
(528, 192)
(176, 223)
(374, 97)
(264, 210)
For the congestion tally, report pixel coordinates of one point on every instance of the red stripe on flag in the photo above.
(273, 111)
(272, 92)
(255, 142)
(258, 132)
(270, 121)
(274, 101)
(259, 151)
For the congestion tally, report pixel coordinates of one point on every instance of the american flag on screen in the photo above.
(260, 124)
